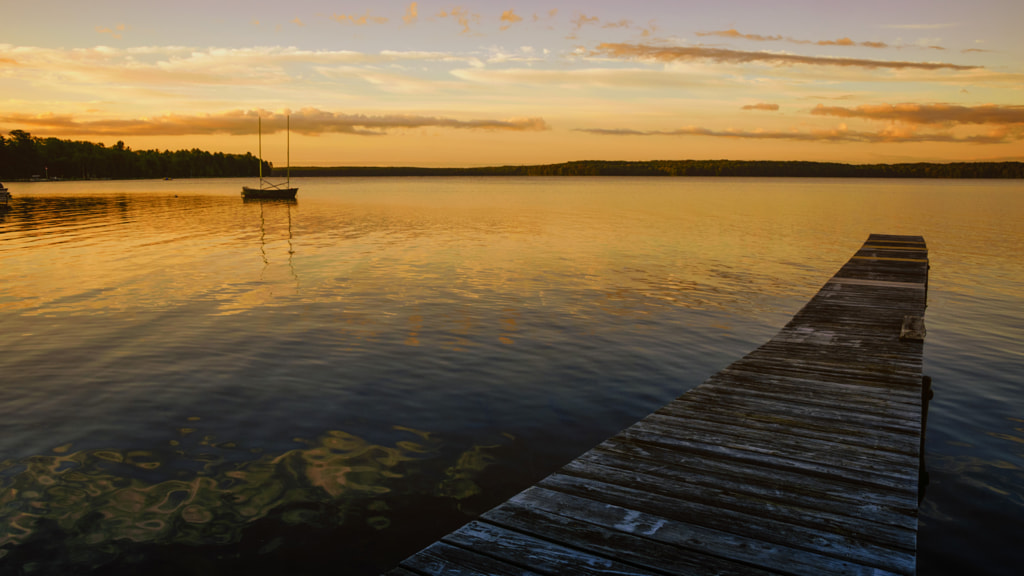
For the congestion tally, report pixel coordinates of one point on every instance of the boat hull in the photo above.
(267, 193)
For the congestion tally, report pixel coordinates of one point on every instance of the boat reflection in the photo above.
(274, 203)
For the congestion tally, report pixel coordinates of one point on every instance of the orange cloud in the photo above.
(840, 42)
(689, 53)
(411, 14)
(619, 24)
(308, 121)
(116, 32)
(733, 33)
(510, 17)
(551, 14)
(462, 16)
(1007, 122)
(920, 26)
(358, 20)
(840, 134)
(9, 61)
(298, 22)
(582, 20)
(910, 113)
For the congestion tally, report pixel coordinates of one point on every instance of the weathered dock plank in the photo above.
(800, 458)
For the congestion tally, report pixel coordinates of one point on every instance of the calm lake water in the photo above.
(193, 384)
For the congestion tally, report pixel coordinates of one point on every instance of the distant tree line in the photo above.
(23, 156)
(698, 168)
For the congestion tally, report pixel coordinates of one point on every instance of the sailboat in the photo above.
(5, 196)
(280, 191)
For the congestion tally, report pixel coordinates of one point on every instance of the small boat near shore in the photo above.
(267, 190)
(5, 197)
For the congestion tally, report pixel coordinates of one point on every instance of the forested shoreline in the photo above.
(695, 168)
(25, 157)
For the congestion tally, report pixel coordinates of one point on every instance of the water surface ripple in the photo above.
(190, 383)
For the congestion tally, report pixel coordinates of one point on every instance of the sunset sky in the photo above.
(523, 82)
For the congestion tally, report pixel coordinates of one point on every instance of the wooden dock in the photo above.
(801, 458)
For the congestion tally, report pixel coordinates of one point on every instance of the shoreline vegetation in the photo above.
(26, 157)
(735, 168)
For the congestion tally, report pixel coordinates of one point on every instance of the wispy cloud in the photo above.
(500, 56)
(178, 66)
(733, 33)
(147, 66)
(619, 24)
(509, 17)
(946, 114)
(582, 20)
(463, 16)
(919, 26)
(411, 14)
(579, 22)
(615, 78)
(546, 17)
(840, 134)
(359, 20)
(649, 31)
(115, 32)
(396, 83)
(723, 55)
(308, 121)
(761, 106)
(848, 42)
(907, 123)
(925, 43)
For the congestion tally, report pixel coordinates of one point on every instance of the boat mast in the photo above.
(288, 154)
(259, 123)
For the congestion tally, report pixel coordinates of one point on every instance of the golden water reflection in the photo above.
(402, 260)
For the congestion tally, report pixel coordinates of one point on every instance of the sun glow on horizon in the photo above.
(416, 83)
